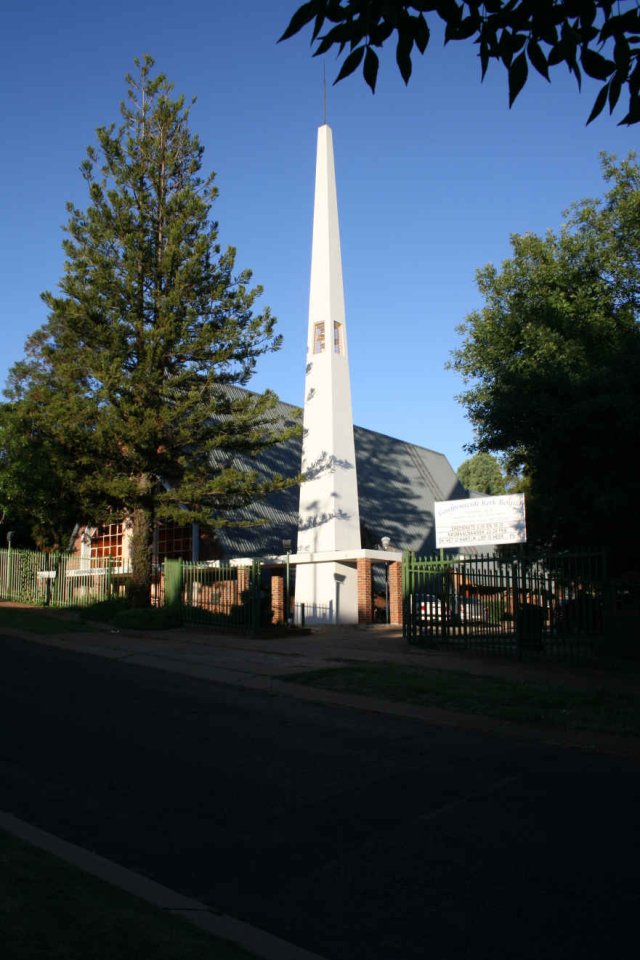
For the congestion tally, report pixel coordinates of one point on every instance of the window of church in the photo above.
(107, 542)
(337, 338)
(318, 338)
(174, 541)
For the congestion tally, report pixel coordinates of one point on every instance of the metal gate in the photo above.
(219, 594)
(554, 604)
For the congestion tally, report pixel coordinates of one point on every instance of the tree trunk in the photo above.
(141, 556)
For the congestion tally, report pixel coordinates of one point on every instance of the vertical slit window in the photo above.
(337, 338)
(318, 338)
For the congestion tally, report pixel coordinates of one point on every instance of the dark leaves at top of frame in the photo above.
(518, 72)
(301, 18)
(350, 64)
(595, 65)
(370, 69)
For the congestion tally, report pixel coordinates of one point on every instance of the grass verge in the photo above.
(51, 909)
(520, 702)
(36, 621)
(117, 612)
(74, 619)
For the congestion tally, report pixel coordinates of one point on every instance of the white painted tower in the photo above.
(329, 521)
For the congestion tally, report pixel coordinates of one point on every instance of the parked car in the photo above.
(453, 610)
(471, 610)
(428, 607)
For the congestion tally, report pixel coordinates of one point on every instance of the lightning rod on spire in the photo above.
(324, 95)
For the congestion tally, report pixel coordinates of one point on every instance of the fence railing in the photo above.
(59, 579)
(220, 594)
(306, 614)
(557, 604)
(554, 604)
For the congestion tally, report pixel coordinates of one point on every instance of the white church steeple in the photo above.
(329, 516)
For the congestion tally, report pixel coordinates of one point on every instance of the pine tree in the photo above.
(130, 375)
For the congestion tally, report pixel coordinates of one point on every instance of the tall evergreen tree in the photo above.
(130, 375)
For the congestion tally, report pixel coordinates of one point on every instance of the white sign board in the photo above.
(480, 521)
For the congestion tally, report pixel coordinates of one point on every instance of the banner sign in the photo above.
(480, 521)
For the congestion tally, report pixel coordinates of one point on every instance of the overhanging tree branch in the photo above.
(600, 38)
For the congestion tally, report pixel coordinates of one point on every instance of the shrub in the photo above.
(105, 610)
(146, 618)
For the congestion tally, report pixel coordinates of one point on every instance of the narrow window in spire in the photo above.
(337, 338)
(318, 338)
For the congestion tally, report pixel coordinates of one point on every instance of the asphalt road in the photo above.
(351, 834)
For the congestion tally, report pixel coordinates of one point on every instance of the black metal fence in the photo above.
(551, 604)
(312, 614)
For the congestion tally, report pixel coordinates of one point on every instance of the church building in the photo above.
(365, 497)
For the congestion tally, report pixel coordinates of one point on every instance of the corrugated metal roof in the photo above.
(398, 483)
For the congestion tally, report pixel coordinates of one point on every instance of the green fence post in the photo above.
(406, 631)
(9, 565)
(516, 615)
(445, 603)
(173, 585)
(465, 602)
(47, 579)
(59, 576)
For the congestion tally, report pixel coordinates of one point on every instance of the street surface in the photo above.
(354, 835)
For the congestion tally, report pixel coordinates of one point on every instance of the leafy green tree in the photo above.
(482, 473)
(37, 492)
(130, 376)
(552, 366)
(599, 37)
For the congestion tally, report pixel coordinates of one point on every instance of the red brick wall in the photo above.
(395, 592)
(277, 598)
(244, 578)
(365, 592)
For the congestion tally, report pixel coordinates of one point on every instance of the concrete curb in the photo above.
(262, 944)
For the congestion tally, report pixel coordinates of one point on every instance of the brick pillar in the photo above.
(395, 592)
(365, 591)
(277, 598)
(244, 579)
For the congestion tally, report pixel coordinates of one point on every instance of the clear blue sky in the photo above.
(432, 179)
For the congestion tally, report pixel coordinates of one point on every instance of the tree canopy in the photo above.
(127, 383)
(552, 367)
(482, 473)
(598, 37)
